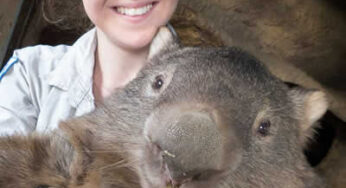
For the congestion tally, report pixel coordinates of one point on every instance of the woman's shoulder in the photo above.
(39, 61)
(48, 57)
(34, 60)
(40, 54)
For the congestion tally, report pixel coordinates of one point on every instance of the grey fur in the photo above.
(231, 90)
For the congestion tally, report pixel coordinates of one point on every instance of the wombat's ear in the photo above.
(80, 136)
(165, 39)
(310, 107)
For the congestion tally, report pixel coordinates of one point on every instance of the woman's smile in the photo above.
(135, 11)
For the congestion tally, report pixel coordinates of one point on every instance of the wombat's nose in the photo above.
(190, 144)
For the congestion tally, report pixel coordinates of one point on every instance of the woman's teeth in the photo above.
(134, 11)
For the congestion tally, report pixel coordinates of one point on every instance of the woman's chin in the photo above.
(137, 41)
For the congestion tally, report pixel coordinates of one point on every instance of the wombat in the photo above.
(209, 117)
(193, 117)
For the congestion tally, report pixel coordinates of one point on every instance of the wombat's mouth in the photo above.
(172, 183)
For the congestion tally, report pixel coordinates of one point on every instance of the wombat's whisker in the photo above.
(129, 163)
(110, 151)
(120, 164)
(117, 164)
(114, 150)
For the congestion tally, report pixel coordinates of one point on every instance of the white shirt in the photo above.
(42, 85)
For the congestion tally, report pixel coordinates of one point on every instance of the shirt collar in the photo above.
(74, 70)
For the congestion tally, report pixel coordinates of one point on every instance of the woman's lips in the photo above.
(135, 10)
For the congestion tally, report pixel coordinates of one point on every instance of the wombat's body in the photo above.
(201, 118)
(45, 161)
(30, 161)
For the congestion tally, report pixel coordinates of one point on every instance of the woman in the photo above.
(42, 85)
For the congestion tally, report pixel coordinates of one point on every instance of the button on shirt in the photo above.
(42, 85)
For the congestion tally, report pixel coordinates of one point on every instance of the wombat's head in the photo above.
(210, 118)
(218, 114)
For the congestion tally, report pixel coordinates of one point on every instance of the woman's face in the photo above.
(130, 24)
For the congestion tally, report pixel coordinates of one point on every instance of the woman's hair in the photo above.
(66, 15)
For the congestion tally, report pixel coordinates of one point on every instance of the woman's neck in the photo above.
(115, 66)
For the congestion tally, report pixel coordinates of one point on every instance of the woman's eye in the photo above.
(158, 83)
(264, 127)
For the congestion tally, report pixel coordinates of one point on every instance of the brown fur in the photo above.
(51, 161)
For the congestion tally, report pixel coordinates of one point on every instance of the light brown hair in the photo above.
(66, 14)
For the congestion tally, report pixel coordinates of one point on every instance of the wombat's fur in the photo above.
(198, 118)
(45, 161)
(209, 118)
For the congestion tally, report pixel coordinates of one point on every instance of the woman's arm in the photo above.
(17, 112)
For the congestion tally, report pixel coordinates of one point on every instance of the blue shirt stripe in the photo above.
(8, 66)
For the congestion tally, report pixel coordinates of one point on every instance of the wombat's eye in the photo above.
(264, 127)
(158, 83)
